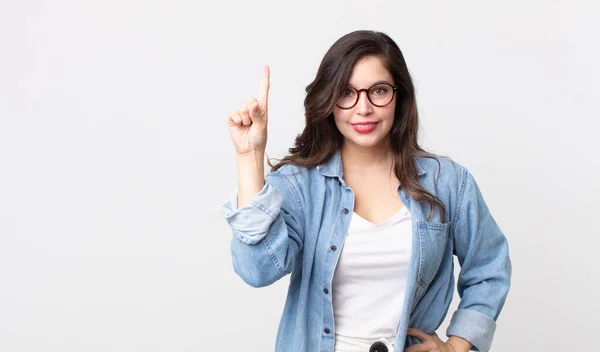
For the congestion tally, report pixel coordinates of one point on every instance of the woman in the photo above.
(363, 218)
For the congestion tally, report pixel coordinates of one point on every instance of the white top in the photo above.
(369, 281)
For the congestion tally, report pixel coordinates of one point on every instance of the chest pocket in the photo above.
(433, 239)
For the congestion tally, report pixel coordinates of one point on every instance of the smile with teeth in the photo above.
(364, 126)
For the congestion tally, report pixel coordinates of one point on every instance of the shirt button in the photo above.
(333, 247)
(346, 211)
(326, 330)
(378, 347)
(325, 290)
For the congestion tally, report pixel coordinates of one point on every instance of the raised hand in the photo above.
(248, 124)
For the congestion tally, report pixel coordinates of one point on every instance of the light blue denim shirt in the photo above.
(298, 222)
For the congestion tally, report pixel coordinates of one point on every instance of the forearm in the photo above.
(251, 176)
(275, 212)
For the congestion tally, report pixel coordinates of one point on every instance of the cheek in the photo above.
(391, 114)
(392, 110)
(340, 117)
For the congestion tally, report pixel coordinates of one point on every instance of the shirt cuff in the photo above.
(251, 222)
(473, 326)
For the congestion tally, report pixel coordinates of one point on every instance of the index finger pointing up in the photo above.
(265, 82)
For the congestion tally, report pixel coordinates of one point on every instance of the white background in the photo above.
(115, 158)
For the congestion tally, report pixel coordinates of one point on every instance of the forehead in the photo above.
(367, 71)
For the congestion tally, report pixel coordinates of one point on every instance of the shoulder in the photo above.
(450, 179)
(293, 181)
(292, 173)
(441, 168)
(444, 177)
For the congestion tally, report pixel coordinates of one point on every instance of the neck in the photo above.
(359, 158)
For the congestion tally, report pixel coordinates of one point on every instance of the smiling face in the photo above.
(366, 125)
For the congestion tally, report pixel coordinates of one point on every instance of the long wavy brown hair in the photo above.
(320, 138)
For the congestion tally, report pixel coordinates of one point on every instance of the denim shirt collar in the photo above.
(333, 167)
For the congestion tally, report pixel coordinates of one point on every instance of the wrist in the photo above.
(252, 155)
(459, 344)
(255, 158)
(251, 176)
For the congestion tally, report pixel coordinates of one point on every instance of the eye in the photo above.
(380, 90)
(347, 92)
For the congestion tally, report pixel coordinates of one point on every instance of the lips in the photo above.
(365, 123)
(364, 127)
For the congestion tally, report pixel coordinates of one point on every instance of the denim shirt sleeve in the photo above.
(267, 232)
(485, 268)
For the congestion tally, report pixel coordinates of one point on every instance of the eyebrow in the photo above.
(378, 82)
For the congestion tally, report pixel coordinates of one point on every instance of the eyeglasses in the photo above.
(380, 94)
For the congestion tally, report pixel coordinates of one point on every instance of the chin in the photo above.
(364, 143)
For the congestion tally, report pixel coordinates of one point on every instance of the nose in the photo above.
(364, 106)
